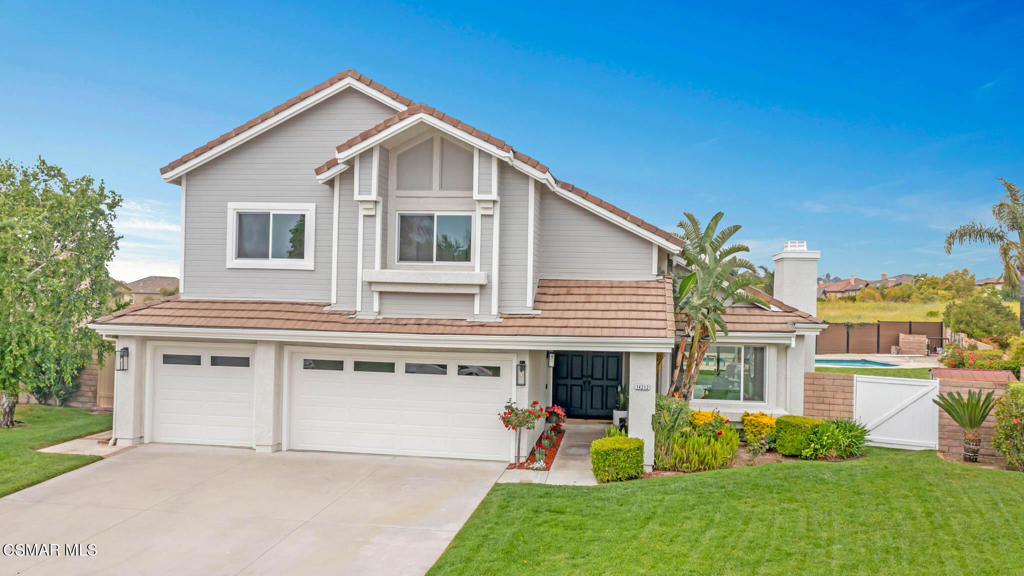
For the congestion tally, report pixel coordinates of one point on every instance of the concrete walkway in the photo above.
(95, 445)
(572, 463)
(168, 509)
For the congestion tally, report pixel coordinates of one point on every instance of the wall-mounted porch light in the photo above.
(521, 373)
(122, 359)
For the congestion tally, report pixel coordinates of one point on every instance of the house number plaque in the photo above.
(642, 387)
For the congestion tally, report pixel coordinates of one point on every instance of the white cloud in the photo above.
(131, 269)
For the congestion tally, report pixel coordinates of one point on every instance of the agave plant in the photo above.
(969, 413)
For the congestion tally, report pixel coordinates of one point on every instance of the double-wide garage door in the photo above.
(443, 404)
(438, 405)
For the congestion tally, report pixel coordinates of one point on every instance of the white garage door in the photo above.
(203, 396)
(444, 405)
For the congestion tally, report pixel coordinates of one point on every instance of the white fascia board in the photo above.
(755, 338)
(509, 158)
(337, 169)
(810, 328)
(389, 339)
(279, 118)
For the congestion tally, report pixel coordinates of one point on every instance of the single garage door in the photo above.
(443, 406)
(203, 396)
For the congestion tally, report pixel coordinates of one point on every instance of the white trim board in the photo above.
(509, 158)
(475, 342)
(287, 114)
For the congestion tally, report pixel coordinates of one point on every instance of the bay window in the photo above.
(732, 372)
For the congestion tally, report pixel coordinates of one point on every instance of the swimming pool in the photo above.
(852, 363)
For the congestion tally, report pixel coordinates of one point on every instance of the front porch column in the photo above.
(643, 384)
(130, 392)
(267, 397)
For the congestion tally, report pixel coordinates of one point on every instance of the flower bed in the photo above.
(549, 458)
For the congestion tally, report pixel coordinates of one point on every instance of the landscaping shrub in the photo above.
(793, 434)
(957, 357)
(1008, 436)
(616, 459)
(696, 452)
(982, 315)
(756, 425)
(835, 440)
(614, 432)
(701, 417)
(671, 416)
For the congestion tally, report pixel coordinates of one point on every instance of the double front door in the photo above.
(587, 384)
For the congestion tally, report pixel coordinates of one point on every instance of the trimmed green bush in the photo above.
(617, 458)
(793, 434)
(836, 440)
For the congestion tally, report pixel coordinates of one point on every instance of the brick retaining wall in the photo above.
(828, 395)
(950, 435)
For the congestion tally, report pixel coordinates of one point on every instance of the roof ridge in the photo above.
(348, 73)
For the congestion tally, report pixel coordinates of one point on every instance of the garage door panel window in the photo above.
(317, 364)
(230, 361)
(419, 368)
(368, 366)
(183, 359)
(473, 370)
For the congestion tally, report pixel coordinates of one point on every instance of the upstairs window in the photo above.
(270, 235)
(429, 237)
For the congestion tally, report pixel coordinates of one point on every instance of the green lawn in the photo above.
(21, 466)
(893, 512)
(892, 372)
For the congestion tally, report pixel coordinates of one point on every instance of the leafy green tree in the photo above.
(1007, 234)
(901, 293)
(869, 294)
(56, 238)
(982, 315)
(958, 284)
(711, 284)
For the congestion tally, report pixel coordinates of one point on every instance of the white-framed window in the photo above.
(434, 237)
(732, 372)
(273, 235)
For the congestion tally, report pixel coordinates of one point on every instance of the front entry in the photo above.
(586, 384)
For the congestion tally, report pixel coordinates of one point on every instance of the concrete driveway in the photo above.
(165, 509)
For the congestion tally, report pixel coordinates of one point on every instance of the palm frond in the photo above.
(969, 413)
(974, 233)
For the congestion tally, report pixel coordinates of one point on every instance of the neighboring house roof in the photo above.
(498, 143)
(844, 285)
(569, 308)
(988, 281)
(288, 104)
(968, 375)
(893, 280)
(152, 284)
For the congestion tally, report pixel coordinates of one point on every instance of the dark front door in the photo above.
(587, 383)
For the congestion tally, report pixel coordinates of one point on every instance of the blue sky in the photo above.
(867, 131)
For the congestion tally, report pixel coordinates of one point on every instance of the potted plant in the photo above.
(556, 414)
(621, 411)
(969, 413)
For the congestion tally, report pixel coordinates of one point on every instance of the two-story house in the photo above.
(361, 273)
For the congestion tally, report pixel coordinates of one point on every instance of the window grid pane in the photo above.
(183, 359)
(288, 236)
(453, 237)
(369, 366)
(416, 238)
(316, 364)
(253, 235)
(230, 361)
(471, 370)
(420, 368)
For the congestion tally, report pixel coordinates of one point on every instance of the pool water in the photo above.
(853, 363)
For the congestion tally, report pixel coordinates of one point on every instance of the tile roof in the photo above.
(152, 284)
(281, 108)
(754, 318)
(574, 308)
(501, 145)
(967, 375)
(846, 284)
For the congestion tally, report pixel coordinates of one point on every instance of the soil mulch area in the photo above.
(990, 462)
(549, 458)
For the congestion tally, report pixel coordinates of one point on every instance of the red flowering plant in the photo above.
(518, 419)
(556, 414)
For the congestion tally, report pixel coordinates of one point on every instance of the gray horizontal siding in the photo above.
(411, 305)
(276, 166)
(576, 243)
(513, 191)
(348, 212)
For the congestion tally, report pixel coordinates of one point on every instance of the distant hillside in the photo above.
(836, 311)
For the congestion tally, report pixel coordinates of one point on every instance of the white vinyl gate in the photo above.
(898, 412)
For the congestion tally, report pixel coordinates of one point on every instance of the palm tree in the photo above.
(1008, 234)
(711, 284)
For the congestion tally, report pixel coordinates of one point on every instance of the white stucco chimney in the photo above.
(796, 276)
